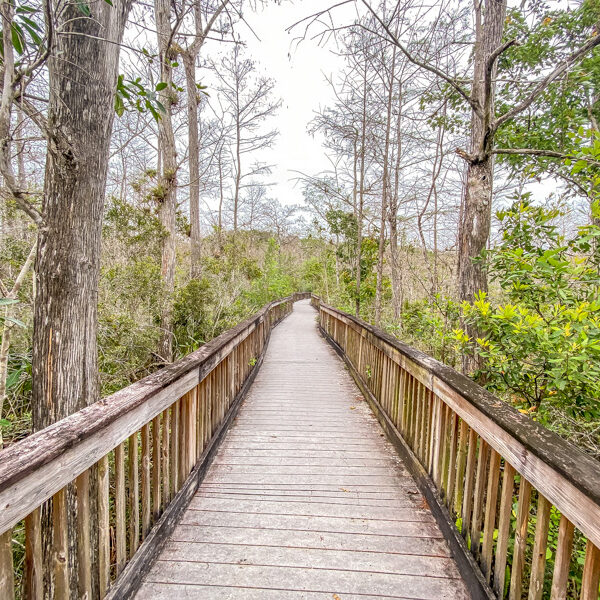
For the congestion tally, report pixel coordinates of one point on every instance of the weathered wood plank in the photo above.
(84, 546)
(569, 478)
(33, 584)
(7, 582)
(296, 500)
(523, 508)
(103, 526)
(313, 579)
(562, 560)
(506, 500)
(60, 545)
(120, 508)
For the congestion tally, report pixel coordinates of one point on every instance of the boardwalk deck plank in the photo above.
(305, 499)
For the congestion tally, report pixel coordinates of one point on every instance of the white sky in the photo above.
(299, 70)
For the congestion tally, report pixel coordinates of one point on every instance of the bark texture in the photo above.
(189, 63)
(83, 69)
(82, 79)
(167, 181)
(476, 213)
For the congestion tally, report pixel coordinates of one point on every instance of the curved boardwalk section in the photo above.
(305, 498)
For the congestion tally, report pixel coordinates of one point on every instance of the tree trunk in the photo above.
(396, 272)
(82, 78)
(238, 174)
(361, 189)
(82, 71)
(167, 183)
(385, 193)
(221, 198)
(474, 227)
(189, 64)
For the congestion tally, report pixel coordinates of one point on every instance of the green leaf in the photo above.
(161, 86)
(15, 321)
(18, 38)
(119, 105)
(84, 8)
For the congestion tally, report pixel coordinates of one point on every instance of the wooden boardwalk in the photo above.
(305, 499)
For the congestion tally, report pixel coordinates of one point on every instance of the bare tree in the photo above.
(248, 99)
(204, 22)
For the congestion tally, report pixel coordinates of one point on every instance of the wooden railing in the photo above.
(86, 502)
(501, 485)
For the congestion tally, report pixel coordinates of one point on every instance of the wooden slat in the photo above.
(562, 560)
(518, 563)
(436, 441)
(84, 546)
(120, 508)
(183, 440)
(540, 543)
(461, 463)
(166, 456)
(469, 483)
(192, 427)
(7, 584)
(46, 461)
(480, 481)
(443, 486)
(201, 410)
(146, 495)
(34, 581)
(501, 556)
(489, 521)
(103, 526)
(452, 461)
(156, 469)
(60, 545)
(591, 573)
(134, 495)
(175, 441)
(425, 423)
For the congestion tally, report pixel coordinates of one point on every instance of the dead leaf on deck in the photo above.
(353, 408)
(336, 597)
(343, 489)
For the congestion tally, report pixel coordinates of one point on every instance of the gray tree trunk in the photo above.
(396, 272)
(189, 63)
(167, 181)
(83, 70)
(82, 79)
(385, 193)
(476, 214)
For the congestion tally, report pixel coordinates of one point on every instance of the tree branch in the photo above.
(450, 80)
(544, 83)
(542, 153)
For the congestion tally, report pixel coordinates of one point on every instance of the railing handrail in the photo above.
(575, 490)
(46, 461)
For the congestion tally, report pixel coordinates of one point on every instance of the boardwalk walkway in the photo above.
(305, 498)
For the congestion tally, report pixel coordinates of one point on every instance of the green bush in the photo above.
(542, 346)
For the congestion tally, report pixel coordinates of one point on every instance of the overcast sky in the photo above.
(299, 70)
